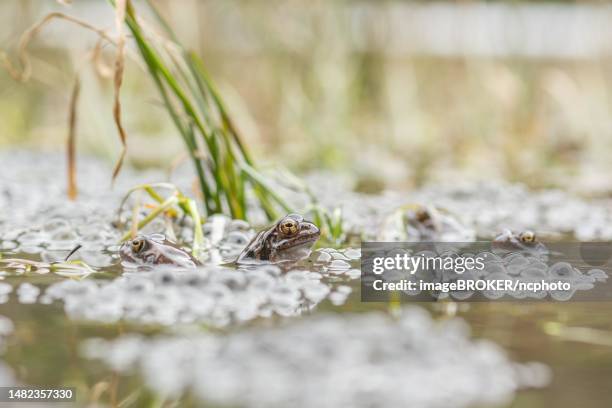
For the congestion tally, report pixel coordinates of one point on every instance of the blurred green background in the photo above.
(396, 92)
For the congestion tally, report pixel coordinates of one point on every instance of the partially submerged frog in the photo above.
(416, 222)
(155, 249)
(291, 238)
(525, 241)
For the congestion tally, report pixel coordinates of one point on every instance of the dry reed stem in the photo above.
(102, 69)
(71, 142)
(97, 391)
(118, 79)
(24, 60)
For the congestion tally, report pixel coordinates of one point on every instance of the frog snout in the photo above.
(123, 249)
(310, 228)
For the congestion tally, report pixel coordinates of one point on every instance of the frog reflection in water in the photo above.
(289, 239)
(155, 249)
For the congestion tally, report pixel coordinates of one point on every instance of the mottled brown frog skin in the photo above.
(422, 217)
(426, 220)
(291, 238)
(155, 249)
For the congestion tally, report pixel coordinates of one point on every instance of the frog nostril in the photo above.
(309, 227)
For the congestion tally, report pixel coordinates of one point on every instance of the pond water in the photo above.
(262, 336)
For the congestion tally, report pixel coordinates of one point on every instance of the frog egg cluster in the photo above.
(486, 208)
(212, 295)
(36, 198)
(525, 269)
(41, 220)
(27, 293)
(492, 206)
(337, 265)
(514, 267)
(58, 235)
(328, 361)
(227, 236)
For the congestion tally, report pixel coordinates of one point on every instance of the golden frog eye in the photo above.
(527, 236)
(137, 245)
(288, 227)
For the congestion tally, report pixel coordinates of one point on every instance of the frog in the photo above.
(420, 223)
(290, 239)
(155, 249)
(525, 241)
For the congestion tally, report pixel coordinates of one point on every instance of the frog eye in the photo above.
(288, 227)
(137, 245)
(527, 237)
